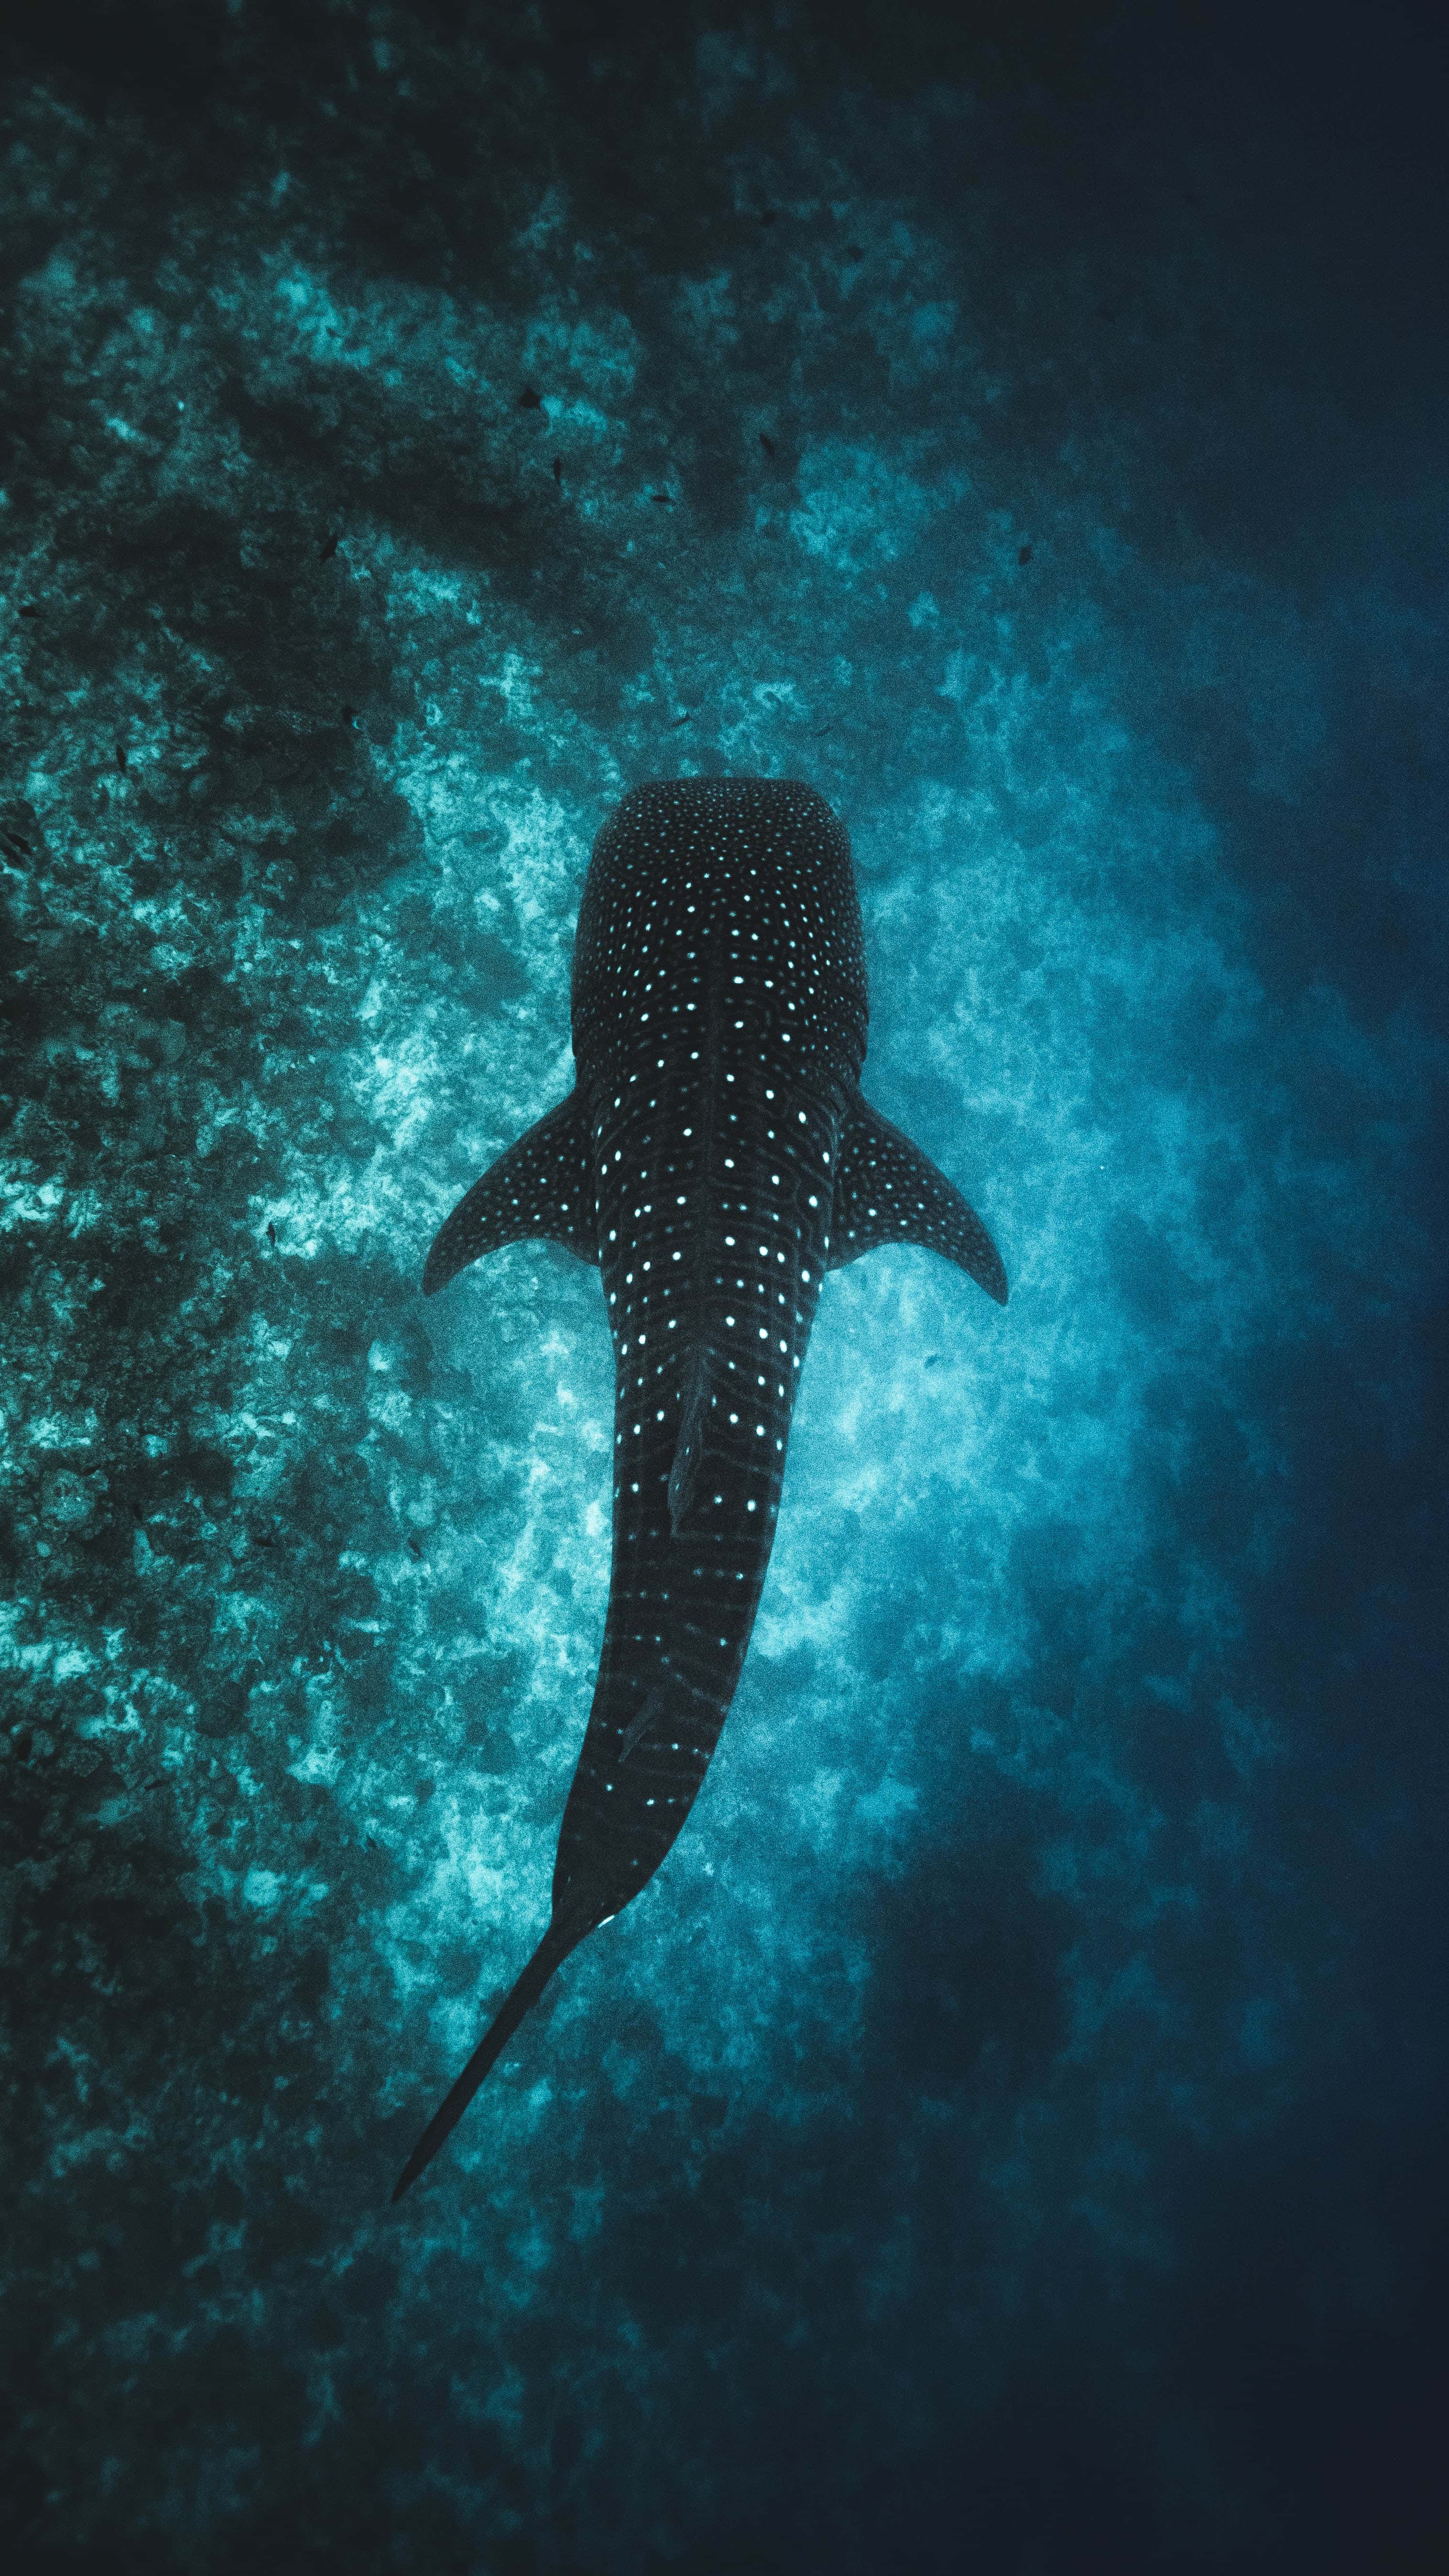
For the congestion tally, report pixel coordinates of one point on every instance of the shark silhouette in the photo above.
(715, 1159)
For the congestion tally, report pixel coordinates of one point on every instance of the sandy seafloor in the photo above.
(1009, 2133)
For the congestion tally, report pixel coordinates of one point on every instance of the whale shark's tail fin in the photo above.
(563, 1934)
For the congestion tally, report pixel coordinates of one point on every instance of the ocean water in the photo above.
(1009, 2133)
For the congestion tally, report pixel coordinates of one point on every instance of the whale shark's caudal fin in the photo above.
(542, 1186)
(886, 1191)
(553, 1949)
(689, 1447)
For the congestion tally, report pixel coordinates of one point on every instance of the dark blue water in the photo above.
(1009, 2133)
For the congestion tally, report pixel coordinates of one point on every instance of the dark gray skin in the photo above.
(715, 1159)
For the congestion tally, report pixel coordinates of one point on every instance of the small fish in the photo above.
(329, 547)
(120, 755)
(558, 470)
(15, 843)
(686, 718)
(417, 1551)
(768, 444)
(529, 400)
(665, 499)
(349, 715)
(1023, 554)
(271, 1233)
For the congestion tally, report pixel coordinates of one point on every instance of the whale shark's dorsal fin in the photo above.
(541, 1187)
(689, 1447)
(887, 1191)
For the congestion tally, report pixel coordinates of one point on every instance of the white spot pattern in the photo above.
(716, 1159)
(727, 908)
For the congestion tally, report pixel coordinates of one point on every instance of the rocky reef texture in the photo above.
(1007, 2133)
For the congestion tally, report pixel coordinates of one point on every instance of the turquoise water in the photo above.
(1008, 2132)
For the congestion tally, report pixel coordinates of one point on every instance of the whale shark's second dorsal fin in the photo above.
(651, 1710)
(887, 1191)
(543, 1186)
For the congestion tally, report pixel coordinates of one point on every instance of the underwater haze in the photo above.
(1008, 2135)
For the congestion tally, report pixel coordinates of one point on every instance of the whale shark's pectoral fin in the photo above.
(543, 1186)
(886, 1191)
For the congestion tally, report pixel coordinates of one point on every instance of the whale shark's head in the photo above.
(761, 861)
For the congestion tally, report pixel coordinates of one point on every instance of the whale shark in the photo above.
(714, 1160)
